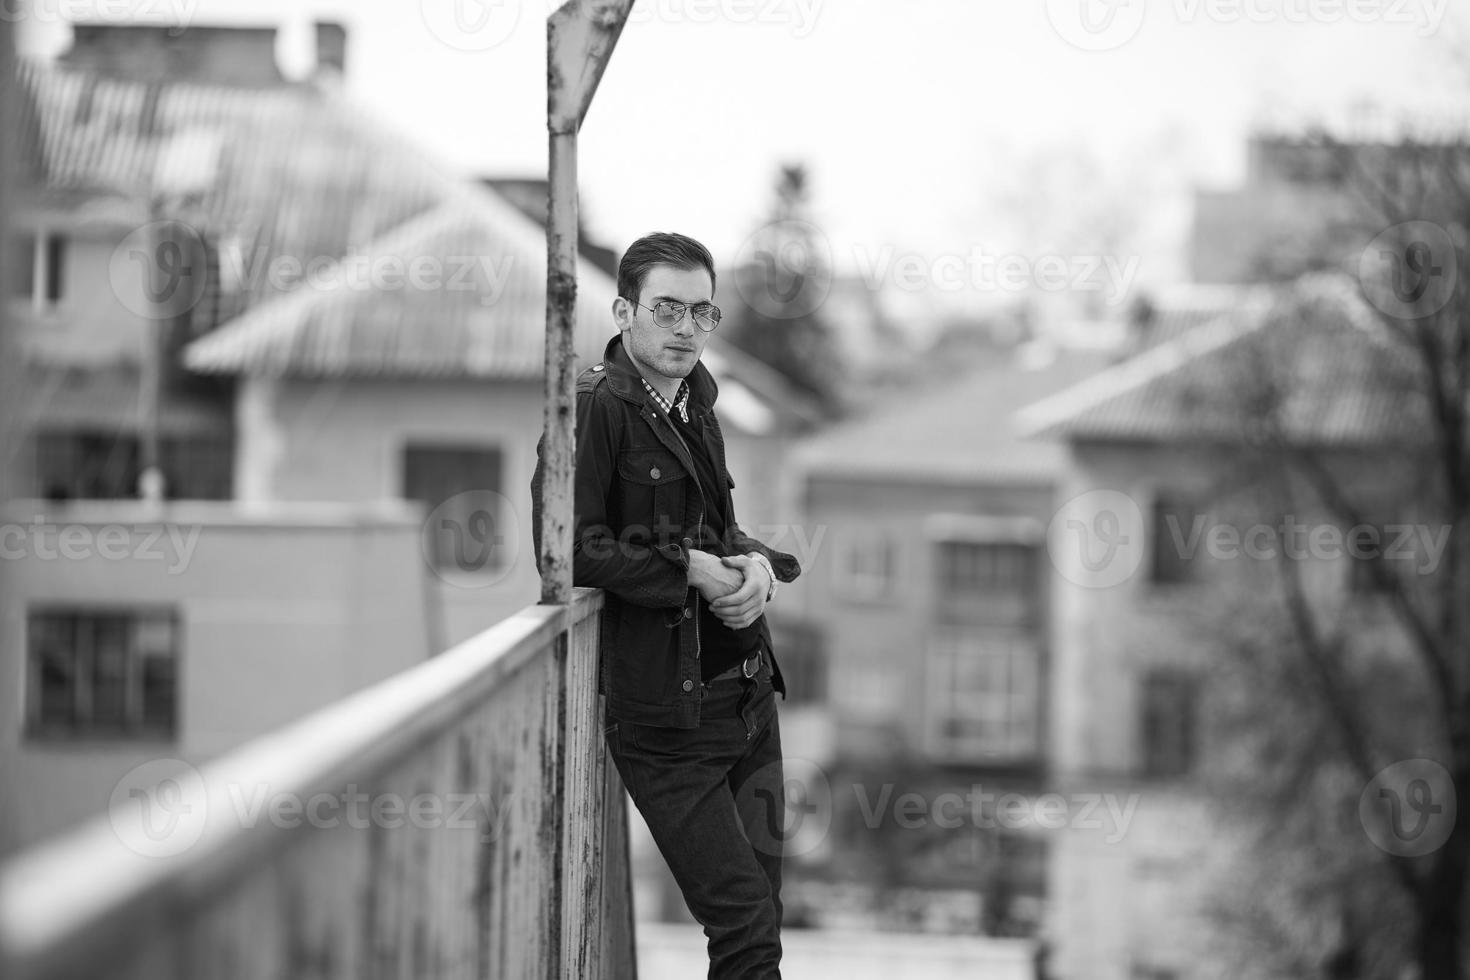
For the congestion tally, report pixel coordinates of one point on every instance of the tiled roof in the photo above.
(1179, 309)
(958, 431)
(1317, 360)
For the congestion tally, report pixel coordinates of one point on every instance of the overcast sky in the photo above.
(918, 119)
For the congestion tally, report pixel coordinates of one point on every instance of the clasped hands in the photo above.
(735, 587)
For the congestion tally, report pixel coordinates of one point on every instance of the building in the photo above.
(928, 596)
(1297, 212)
(1158, 445)
(330, 349)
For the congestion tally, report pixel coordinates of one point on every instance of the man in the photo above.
(687, 666)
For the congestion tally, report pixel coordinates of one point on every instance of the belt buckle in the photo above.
(750, 665)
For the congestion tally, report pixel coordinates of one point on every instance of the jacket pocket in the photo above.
(654, 484)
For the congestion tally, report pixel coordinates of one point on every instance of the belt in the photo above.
(745, 668)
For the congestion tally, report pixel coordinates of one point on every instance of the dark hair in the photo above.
(660, 248)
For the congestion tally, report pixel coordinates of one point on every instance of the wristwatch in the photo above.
(770, 572)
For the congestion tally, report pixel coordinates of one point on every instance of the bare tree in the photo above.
(1353, 404)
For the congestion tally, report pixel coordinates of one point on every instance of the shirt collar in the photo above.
(680, 402)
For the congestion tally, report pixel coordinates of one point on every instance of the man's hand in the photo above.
(744, 606)
(712, 577)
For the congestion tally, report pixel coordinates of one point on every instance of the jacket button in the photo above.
(597, 367)
(689, 614)
(688, 686)
(654, 473)
(688, 543)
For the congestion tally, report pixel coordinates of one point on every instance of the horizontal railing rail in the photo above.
(456, 820)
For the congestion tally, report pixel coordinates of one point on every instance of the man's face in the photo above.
(671, 352)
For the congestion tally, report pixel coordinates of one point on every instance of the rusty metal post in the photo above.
(580, 36)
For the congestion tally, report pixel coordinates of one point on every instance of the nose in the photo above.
(685, 327)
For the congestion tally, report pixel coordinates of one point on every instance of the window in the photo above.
(971, 568)
(54, 267)
(465, 482)
(1168, 725)
(867, 567)
(1372, 571)
(38, 262)
(798, 647)
(983, 695)
(102, 672)
(1174, 540)
(97, 465)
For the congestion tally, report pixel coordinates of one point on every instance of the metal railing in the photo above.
(459, 819)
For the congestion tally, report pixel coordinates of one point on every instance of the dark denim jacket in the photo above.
(639, 510)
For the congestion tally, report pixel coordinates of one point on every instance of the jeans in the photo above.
(714, 800)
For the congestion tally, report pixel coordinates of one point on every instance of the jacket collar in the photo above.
(627, 383)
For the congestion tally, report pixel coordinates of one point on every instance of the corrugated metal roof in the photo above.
(478, 309)
(300, 173)
(295, 171)
(1317, 362)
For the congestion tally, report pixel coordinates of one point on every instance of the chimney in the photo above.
(243, 57)
(331, 48)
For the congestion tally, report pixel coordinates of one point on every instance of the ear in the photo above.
(622, 312)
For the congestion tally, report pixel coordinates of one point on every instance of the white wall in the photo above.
(279, 613)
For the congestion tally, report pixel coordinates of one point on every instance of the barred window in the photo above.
(111, 672)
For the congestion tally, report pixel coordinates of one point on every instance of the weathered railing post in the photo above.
(580, 36)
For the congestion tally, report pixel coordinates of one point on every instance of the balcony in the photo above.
(457, 819)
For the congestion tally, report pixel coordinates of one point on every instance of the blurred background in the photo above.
(1105, 363)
